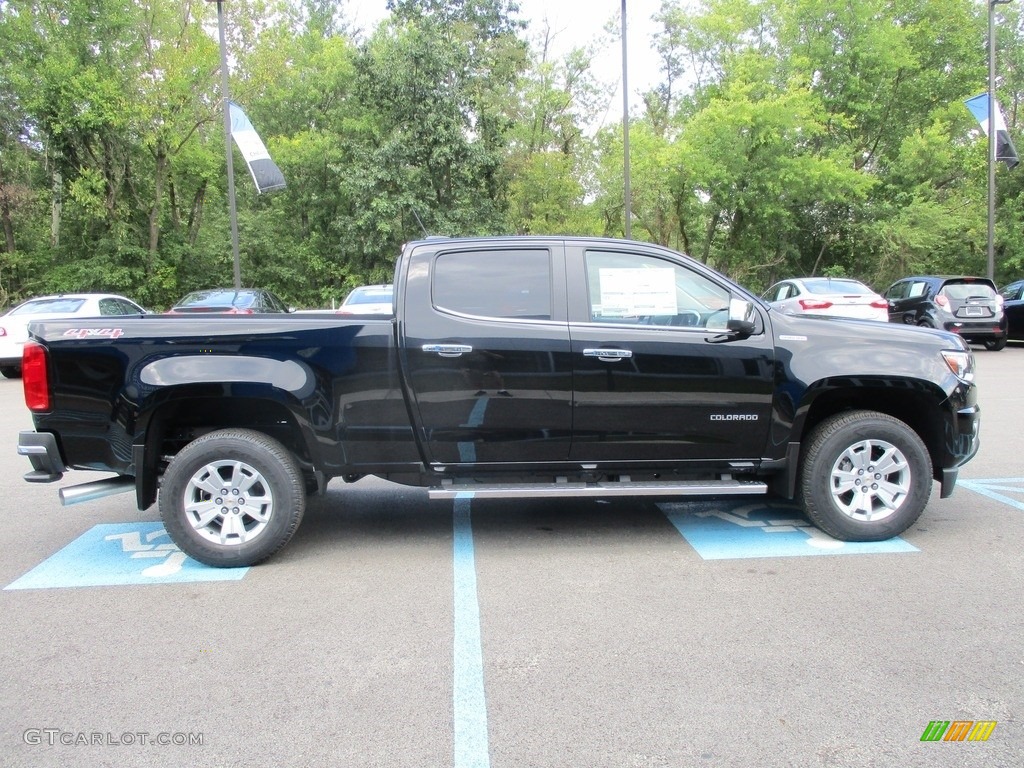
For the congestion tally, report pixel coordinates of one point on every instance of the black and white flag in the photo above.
(265, 172)
(1005, 150)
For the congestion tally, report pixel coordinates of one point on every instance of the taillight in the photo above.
(999, 303)
(807, 304)
(3, 331)
(35, 377)
(942, 301)
(880, 304)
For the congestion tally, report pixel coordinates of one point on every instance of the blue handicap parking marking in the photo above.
(121, 553)
(763, 529)
(1007, 490)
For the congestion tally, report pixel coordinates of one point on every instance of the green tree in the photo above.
(803, 135)
(550, 157)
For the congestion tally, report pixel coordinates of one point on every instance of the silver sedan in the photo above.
(835, 296)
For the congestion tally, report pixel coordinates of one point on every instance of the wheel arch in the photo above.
(914, 402)
(182, 414)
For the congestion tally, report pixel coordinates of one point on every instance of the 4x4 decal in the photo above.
(89, 333)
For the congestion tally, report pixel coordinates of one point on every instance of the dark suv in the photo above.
(1013, 307)
(969, 306)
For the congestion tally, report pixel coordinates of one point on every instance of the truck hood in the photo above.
(835, 327)
(817, 348)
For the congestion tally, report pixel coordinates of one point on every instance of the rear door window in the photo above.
(917, 288)
(510, 284)
(110, 307)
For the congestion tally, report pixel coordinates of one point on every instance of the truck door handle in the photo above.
(608, 355)
(448, 350)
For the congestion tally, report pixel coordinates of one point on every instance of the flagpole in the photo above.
(225, 98)
(992, 138)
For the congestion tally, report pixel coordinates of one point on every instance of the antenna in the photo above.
(425, 233)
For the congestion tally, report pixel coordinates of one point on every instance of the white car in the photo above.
(14, 325)
(368, 300)
(835, 296)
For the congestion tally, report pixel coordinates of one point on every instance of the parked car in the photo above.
(368, 300)
(245, 301)
(837, 296)
(969, 306)
(1013, 308)
(14, 324)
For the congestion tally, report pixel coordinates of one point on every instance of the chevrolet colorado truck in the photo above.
(515, 366)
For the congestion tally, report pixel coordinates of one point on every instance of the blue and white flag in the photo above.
(1005, 150)
(265, 172)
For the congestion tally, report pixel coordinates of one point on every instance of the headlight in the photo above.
(960, 363)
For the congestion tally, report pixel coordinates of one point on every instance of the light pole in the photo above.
(626, 195)
(992, 138)
(225, 97)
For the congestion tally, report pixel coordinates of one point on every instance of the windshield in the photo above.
(968, 291)
(61, 305)
(217, 299)
(369, 296)
(837, 286)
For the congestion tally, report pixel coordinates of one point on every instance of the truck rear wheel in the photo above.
(865, 476)
(232, 498)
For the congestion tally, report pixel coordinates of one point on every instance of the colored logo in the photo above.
(958, 730)
(718, 531)
(121, 553)
(1006, 490)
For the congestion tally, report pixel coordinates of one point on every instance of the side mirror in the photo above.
(742, 318)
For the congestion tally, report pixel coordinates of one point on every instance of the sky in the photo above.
(578, 23)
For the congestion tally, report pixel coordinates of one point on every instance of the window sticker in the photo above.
(637, 292)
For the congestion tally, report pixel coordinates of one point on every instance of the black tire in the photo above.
(994, 345)
(10, 371)
(925, 323)
(836, 462)
(244, 462)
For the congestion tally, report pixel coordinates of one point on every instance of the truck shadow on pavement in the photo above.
(715, 529)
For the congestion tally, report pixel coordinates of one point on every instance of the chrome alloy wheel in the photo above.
(228, 502)
(870, 480)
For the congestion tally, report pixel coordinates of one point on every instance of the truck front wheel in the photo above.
(865, 476)
(232, 498)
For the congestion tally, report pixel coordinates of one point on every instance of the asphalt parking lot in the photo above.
(399, 631)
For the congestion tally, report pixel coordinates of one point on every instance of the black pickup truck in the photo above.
(516, 366)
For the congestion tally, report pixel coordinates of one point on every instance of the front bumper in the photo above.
(962, 443)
